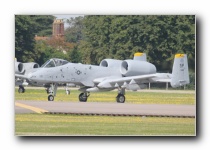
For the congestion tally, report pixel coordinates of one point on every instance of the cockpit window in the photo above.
(50, 64)
(54, 62)
(45, 64)
(65, 62)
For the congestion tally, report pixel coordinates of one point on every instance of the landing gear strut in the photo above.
(120, 97)
(52, 92)
(21, 89)
(83, 97)
(67, 91)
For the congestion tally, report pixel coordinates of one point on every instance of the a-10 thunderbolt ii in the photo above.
(24, 69)
(109, 75)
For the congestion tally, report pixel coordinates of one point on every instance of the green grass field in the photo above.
(131, 97)
(70, 125)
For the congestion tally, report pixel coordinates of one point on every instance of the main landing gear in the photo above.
(120, 97)
(21, 89)
(84, 96)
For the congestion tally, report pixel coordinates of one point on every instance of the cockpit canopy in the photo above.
(54, 62)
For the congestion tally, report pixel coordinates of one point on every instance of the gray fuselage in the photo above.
(76, 73)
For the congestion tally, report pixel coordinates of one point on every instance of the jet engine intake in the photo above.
(110, 63)
(19, 68)
(134, 68)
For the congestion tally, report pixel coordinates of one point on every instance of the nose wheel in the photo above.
(50, 98)
(52, 92)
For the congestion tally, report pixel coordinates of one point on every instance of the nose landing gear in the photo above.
(52, 92)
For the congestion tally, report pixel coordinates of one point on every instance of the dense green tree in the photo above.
(75, 55)
(45, 52)
(26, 27)
(43, 24)
(24, 38)
(73, 33)
(159, 36)
(119, 37)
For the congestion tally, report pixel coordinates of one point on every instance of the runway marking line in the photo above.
(35, 109)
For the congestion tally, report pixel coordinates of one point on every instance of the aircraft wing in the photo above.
(21, 76)
(163, 80)
(120, 81)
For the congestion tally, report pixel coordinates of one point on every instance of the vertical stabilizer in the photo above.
(140, 56)
(180, 73)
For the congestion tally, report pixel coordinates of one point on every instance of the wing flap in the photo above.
(109, 83)
(163, 80)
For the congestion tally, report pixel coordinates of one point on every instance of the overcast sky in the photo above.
(65, 17)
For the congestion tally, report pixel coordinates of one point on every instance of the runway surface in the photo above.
(97, 108)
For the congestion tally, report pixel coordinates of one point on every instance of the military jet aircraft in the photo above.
(109, 75)
(25, 69)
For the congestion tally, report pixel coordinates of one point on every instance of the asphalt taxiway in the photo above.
(97, 108)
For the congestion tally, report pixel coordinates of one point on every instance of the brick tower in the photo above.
(58, 27)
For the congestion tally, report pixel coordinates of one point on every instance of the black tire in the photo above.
(120, 98)
(50, 98)
(82, 97)
(21, 90)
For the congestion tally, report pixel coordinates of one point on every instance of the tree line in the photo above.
(90, 39)
(119, 37)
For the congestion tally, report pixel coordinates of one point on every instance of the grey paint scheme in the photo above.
(110, 74)
(180, 71)
(79, 74)
(140, 72)
(23, 69)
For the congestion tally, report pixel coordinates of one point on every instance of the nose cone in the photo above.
(35, 76)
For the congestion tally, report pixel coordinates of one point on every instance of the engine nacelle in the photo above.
(19, 68)
(30, 65)
(111, 63)
(134, 68)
